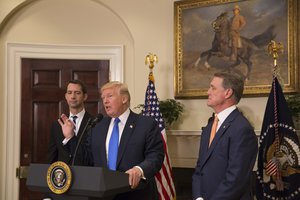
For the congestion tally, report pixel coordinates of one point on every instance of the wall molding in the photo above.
(183, 147)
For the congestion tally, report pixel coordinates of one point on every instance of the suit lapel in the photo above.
(103, 130)
(126, 135)
(224, 126)
(206, 134)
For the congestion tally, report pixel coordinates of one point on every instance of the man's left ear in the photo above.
(229, 93)
(85, 97)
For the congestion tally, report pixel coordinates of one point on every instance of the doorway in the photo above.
(44, 83)
(12, 129)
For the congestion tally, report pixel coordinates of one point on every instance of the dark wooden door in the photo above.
(44, 83)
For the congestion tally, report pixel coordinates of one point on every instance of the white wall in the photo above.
(142, 26)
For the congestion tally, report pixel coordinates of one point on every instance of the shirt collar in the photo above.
(224, 114)
(79, 115)
(123, 118)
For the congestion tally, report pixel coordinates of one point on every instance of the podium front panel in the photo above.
(86, 181)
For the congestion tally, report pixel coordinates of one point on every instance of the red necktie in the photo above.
(213, 129)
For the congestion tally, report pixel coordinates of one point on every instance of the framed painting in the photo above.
(205, 44)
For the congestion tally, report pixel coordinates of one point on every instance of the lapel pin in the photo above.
(131, 126)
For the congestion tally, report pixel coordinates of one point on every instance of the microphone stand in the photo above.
(90, 124)
(87, 127)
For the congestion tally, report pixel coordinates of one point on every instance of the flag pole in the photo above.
(164, 178)
(275, 48)
(151, 59)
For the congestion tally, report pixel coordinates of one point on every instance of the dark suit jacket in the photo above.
(59, 152)
(224, 170)
(141, 144)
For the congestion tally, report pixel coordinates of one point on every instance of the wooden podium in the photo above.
(89, 183)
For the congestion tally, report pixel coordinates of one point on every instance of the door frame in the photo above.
(12, 104)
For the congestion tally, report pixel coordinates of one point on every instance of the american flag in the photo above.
(164, 179)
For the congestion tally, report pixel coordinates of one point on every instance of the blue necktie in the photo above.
(113, 146)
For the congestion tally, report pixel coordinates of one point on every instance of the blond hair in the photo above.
(121, 87)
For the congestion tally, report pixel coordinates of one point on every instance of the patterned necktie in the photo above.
(213, 129)
(113, 146)
(74, 121)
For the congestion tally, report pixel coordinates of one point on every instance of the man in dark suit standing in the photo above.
(228, 146)
(60, 148)
(139, 149)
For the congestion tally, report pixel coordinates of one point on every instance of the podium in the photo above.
(89, 183)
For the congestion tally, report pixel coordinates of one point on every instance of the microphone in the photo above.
(97, 119)
(90, 124)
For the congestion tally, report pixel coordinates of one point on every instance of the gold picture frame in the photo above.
(265, 20)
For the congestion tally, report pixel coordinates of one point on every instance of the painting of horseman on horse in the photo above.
(212, 41)
(234, 50)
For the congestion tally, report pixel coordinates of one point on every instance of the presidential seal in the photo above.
(59, 177)
(279, 170)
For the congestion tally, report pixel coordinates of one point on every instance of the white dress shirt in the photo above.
(78, 120)
(224, 114)
(77, 125)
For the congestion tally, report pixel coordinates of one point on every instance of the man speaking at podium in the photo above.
(124, 141)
